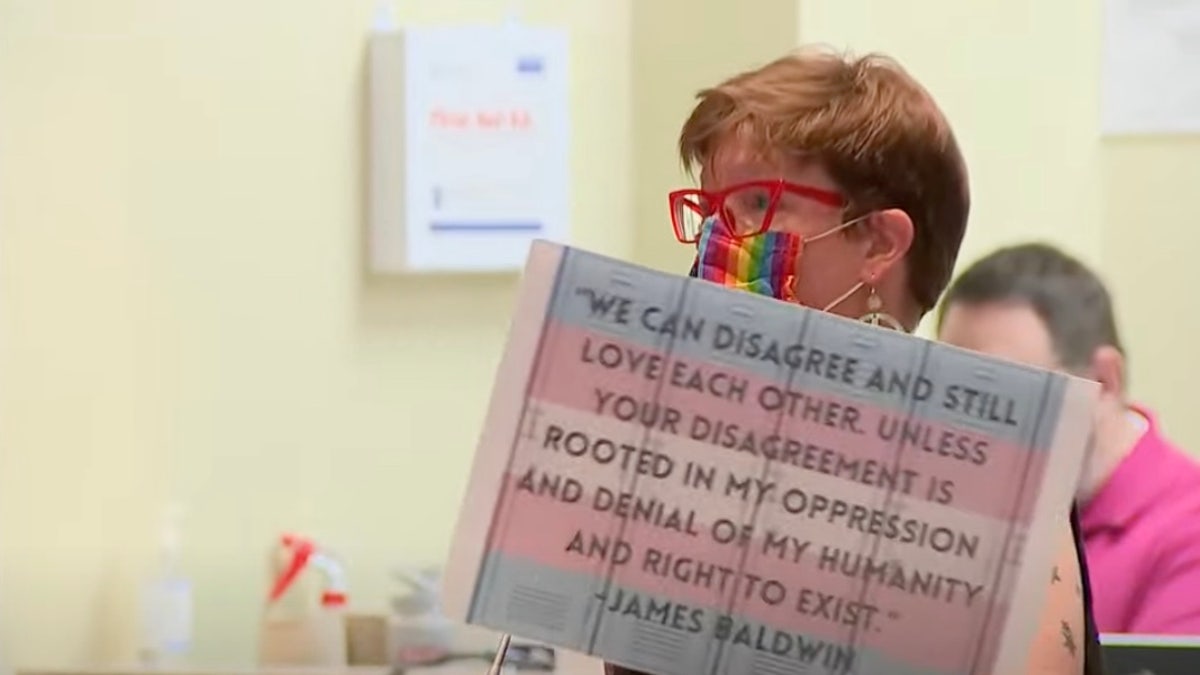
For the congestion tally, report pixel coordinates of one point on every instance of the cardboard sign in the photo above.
(682, 478)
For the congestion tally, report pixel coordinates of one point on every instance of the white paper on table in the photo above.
(1150, 80)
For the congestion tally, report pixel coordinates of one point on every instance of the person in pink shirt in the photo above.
(1139, 495)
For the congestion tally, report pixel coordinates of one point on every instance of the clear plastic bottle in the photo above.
(165, 635)
(420, 632)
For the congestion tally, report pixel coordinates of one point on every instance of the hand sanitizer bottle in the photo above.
(166, 616)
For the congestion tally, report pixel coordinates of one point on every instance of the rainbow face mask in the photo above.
(765, 264)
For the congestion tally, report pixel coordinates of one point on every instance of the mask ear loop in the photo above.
(827, 233)
(875, 315)
(837, 228)
(842, 298)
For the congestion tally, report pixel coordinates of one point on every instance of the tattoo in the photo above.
(1068, 638)
(1054, 578)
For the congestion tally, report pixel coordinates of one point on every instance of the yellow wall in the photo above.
(1151, 240)
(681, 46)
(1019, 80)
(183, 313)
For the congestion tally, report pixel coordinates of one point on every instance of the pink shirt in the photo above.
(1141, 535)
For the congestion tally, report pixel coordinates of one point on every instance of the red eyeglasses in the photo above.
(747, 209)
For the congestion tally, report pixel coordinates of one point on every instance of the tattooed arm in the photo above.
(1058, 646)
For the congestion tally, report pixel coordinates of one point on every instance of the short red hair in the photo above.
(871, 125)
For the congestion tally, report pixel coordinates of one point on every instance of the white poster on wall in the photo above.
(1150, 80)
(485, 147)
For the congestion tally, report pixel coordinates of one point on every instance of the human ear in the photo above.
(1108, 368)
(888, 237)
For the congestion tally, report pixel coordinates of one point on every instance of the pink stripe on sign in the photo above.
(573, 446)
(571, 358)
(910, 617)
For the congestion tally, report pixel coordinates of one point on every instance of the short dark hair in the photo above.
(1070, 298)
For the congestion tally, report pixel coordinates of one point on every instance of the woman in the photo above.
(837, 184)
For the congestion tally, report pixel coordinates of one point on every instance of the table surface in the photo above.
(568, 663)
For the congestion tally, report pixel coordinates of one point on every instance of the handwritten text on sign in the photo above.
(702, 477)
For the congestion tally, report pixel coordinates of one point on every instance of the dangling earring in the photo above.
(875, 315)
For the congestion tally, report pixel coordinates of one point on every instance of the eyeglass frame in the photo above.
(716, 200)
